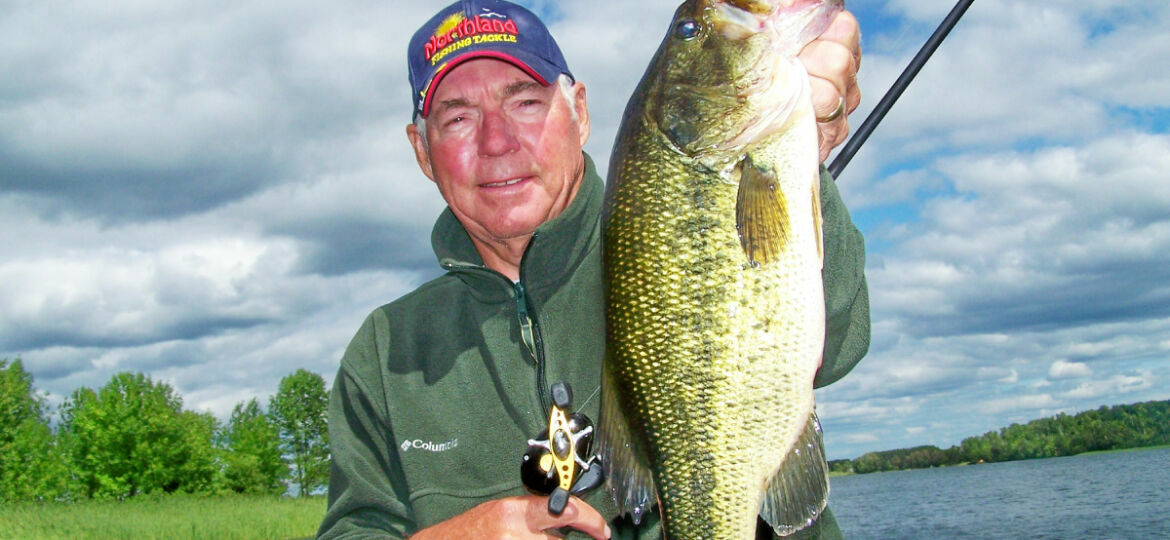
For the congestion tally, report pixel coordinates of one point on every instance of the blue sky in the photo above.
(216, 193)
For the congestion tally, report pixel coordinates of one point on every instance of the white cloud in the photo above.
(1015, 404)
(876, 410)
(122, 294)
(858, 438)
(1060, 81)
(1061, 369)
(1119, 384)
(1081, 240)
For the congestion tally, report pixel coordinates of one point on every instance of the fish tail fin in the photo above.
(627, 475)
(799, 491)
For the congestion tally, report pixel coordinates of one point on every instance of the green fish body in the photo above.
(712, 251)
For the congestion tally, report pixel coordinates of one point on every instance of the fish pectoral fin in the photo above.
(799, 491)
(761, 213)
(627, 475)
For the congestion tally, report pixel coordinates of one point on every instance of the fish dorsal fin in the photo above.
(761, 213)
(627, 475)
(799, 491)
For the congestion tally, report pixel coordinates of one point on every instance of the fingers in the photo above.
(833, 65)
(519, 517)
(834, 129)
(844, 30)
(577, 515)
(832, 61)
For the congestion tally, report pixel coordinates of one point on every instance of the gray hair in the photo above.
(564, 82)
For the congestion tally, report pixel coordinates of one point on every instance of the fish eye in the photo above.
(687, 29)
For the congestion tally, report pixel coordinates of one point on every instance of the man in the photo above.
(439, 391)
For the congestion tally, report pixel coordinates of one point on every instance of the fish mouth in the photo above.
(739, 19)
(774, 6)
(777, 80)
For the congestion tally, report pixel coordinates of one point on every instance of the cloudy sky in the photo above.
(216, 193)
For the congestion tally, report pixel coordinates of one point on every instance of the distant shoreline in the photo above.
(1105, 429)
(836, 474)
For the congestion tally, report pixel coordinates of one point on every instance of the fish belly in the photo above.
(711, 357)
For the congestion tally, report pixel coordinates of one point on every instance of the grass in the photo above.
(226, 517)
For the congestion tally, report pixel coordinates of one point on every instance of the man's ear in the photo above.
(582, 111)
(421, 154)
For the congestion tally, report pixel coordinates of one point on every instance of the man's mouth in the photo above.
(504, 183)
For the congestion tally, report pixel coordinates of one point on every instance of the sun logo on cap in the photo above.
(449, 23)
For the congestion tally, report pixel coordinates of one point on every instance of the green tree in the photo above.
(299, 410)
(871, 462)
(841, 466)
(30, 463)
(196, 458)
(132, 437)
(253, 463)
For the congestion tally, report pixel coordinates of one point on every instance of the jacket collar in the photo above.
(555, 250)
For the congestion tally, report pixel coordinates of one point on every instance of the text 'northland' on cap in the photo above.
(480, 29)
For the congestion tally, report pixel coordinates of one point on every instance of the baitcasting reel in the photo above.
(555, 464)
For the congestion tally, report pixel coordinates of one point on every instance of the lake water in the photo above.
(1114, 495)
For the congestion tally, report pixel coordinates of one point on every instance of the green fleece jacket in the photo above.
(439, 391)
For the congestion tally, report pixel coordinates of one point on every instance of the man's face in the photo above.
(503, 149)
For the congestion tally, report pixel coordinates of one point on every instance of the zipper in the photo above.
(530, 336)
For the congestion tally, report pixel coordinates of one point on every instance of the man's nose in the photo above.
(497, 134)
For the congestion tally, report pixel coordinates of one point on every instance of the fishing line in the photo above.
(588, 399)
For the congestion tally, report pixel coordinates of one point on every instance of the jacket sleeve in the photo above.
(846, 292)
(368, 495)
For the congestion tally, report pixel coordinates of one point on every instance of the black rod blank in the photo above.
(879, 112)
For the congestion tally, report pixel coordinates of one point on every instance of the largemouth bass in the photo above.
(713, 252)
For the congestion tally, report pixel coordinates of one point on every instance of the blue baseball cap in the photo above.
(480, 29)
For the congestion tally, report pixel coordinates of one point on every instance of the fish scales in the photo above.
(715, 312)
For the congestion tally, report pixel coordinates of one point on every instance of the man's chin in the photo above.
(512, 234)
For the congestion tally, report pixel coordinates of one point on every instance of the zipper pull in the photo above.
(526, 333)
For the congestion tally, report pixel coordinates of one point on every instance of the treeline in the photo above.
(1107, 428)
(132, 437)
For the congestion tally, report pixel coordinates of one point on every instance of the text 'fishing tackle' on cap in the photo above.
(480, 29)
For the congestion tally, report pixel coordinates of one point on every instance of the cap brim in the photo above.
(536, 67)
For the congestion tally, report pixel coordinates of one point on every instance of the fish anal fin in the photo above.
(761, 213)
(799, 491)
(627, 475)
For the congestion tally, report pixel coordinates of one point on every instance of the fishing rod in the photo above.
(879, 112)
